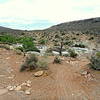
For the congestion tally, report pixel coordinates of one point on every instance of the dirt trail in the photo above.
(63, 83)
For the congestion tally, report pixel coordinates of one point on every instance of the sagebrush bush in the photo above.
(23, 67)
(80, 45)
(98, 54)
(42, 64)
(72, 53)
(95, 61)
(5, 47)
(57, 60)
(18, 52)
(32, 62)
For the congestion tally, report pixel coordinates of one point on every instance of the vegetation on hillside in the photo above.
(28, 42)
(95, 61)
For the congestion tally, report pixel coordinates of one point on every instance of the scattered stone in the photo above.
(84, 73)
(9, 70)
(28, 92)
(3, 91)
(11, 77)
(18, 88)
(28, 85)
(11, 88)
(2, 75)
(23, 84)
(38, 73)
(8, 58)
(29, 82)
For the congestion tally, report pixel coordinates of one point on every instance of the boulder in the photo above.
(38, 73)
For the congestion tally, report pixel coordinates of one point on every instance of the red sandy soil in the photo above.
(63, 82)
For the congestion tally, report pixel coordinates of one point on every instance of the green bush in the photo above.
(9, 39)
(95, 61)
(57, 60)
(20, 48)
(72, 53)
(42, 41)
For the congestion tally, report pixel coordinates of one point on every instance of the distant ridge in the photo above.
(9, 30)
(91, 25)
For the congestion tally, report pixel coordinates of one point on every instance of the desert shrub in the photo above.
(42, 64)
(29, 46)
(31, 58)
(77, 34)
(5, 47)
(98, 54)
(69, 43)
(66, 55)
(18, 52)
(91, 38)
(57, 60)
(23, 67)
(95, 62)
(72, 53)
(74, 38)
(42, 41)
(80, 45)
(9, 39)
(30, 63)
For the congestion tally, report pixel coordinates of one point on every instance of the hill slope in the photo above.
(85, 26)
(90, 25)
(9, 30)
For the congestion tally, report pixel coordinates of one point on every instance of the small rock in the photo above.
(38, 73)
(2, 75)
(28, 92)
(84, 73)
(23, 84)
(29, 82)
(11, 88)
(11, 77)
(28, 85)
(18, 88)
(8, 58)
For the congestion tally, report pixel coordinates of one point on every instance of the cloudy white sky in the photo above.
(39, 14)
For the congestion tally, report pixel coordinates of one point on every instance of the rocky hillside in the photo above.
(86, 26)
(9, 30)
(82, 26)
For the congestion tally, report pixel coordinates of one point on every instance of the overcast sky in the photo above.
(39, 14)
